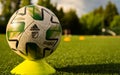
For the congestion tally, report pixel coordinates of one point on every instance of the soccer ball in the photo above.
(33, 32)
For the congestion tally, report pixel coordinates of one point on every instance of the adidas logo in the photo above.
(34, 28)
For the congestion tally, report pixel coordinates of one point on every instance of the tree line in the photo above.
(96, 22)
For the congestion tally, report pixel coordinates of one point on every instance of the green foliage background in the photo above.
(89, 24)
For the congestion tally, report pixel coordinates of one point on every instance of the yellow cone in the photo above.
(81, 38)
(27, 67)
(67, 39)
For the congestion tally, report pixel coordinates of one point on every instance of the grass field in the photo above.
(96, 55)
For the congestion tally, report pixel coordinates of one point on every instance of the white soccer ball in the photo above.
(33, 32)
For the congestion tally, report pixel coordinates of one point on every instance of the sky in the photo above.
(84, 6)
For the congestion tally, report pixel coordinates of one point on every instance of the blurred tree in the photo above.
(83, 21)
(109, 13)
(92, 23)
(97, 24)
(98, 10)
(40, 2)
(115, 25)
(8, 7)
(71, 22)
(60, 14)
(95, 21)
(45, 3)
(25, 2)
(48, 4)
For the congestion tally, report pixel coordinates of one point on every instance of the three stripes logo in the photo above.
(35, 31)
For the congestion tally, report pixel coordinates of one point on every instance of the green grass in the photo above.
(96, 55)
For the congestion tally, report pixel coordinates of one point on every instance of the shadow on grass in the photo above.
(94, 68)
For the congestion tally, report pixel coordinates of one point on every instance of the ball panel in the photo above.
(33, 51)
(34, 12)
